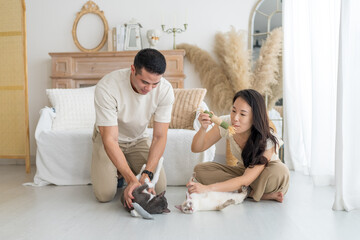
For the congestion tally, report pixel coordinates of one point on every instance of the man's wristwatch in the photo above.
(150, 174)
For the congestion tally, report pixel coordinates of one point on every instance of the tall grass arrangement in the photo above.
(212, 77)
(268, 69)
(232, 72)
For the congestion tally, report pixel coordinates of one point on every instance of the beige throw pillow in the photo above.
(187, 101)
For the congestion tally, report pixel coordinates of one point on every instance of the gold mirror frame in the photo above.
(90, 7)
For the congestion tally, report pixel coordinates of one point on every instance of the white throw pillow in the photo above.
(74, 108)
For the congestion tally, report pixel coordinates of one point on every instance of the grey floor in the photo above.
(72, 212)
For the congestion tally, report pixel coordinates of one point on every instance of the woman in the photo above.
(253, 144)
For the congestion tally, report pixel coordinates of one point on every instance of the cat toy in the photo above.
(215, 119)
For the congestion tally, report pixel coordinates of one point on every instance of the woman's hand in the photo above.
(194, 187)
(204, 120)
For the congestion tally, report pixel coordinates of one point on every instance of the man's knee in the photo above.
(105, 195)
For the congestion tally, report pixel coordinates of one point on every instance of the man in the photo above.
(125, 100)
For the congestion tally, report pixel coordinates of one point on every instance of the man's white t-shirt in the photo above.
(117, 104)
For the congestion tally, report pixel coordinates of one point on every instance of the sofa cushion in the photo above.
(64, 157)
(187, 101)
(74, 108)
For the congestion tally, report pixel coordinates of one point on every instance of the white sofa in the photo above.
(64, 156)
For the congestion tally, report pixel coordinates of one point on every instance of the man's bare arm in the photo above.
(157, 146)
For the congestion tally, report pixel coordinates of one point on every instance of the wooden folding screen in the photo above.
(14, 113)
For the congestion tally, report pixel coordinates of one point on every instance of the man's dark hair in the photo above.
(151, 59)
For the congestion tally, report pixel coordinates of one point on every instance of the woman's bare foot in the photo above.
(277, 196)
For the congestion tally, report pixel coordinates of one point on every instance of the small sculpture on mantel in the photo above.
(153, 37)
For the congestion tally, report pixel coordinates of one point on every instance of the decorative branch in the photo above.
(267, 74)
(234, 73)
(212, 77)
(277, 90)
(233, 55)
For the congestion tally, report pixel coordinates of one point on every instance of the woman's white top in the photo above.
(235, 148)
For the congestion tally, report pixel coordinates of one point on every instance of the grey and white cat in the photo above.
(149, 202)
(211, 201)
(144, 202)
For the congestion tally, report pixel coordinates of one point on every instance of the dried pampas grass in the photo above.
(212, 78)
(233, 73)
(230, 48)
(267, 74)
(276, 90)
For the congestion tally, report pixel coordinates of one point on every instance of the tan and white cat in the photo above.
(211, 201)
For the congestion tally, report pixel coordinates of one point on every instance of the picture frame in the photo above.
(132, 37)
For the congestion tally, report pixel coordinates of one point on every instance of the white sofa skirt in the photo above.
(63, 157)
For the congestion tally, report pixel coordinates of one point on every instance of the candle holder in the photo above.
(174, 30)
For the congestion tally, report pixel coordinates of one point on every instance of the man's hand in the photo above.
(194, 187)
(128, 192)
(142, 181)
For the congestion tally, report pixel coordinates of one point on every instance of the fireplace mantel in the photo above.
(80, 69)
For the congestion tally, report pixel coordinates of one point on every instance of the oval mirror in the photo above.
(90, 28)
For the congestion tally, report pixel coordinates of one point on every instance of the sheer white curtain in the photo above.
(311, 92)
(311, 30)
(347, 165)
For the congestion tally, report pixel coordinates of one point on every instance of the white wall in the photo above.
(49, 26)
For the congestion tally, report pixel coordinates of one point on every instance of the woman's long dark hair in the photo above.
(254, 149)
